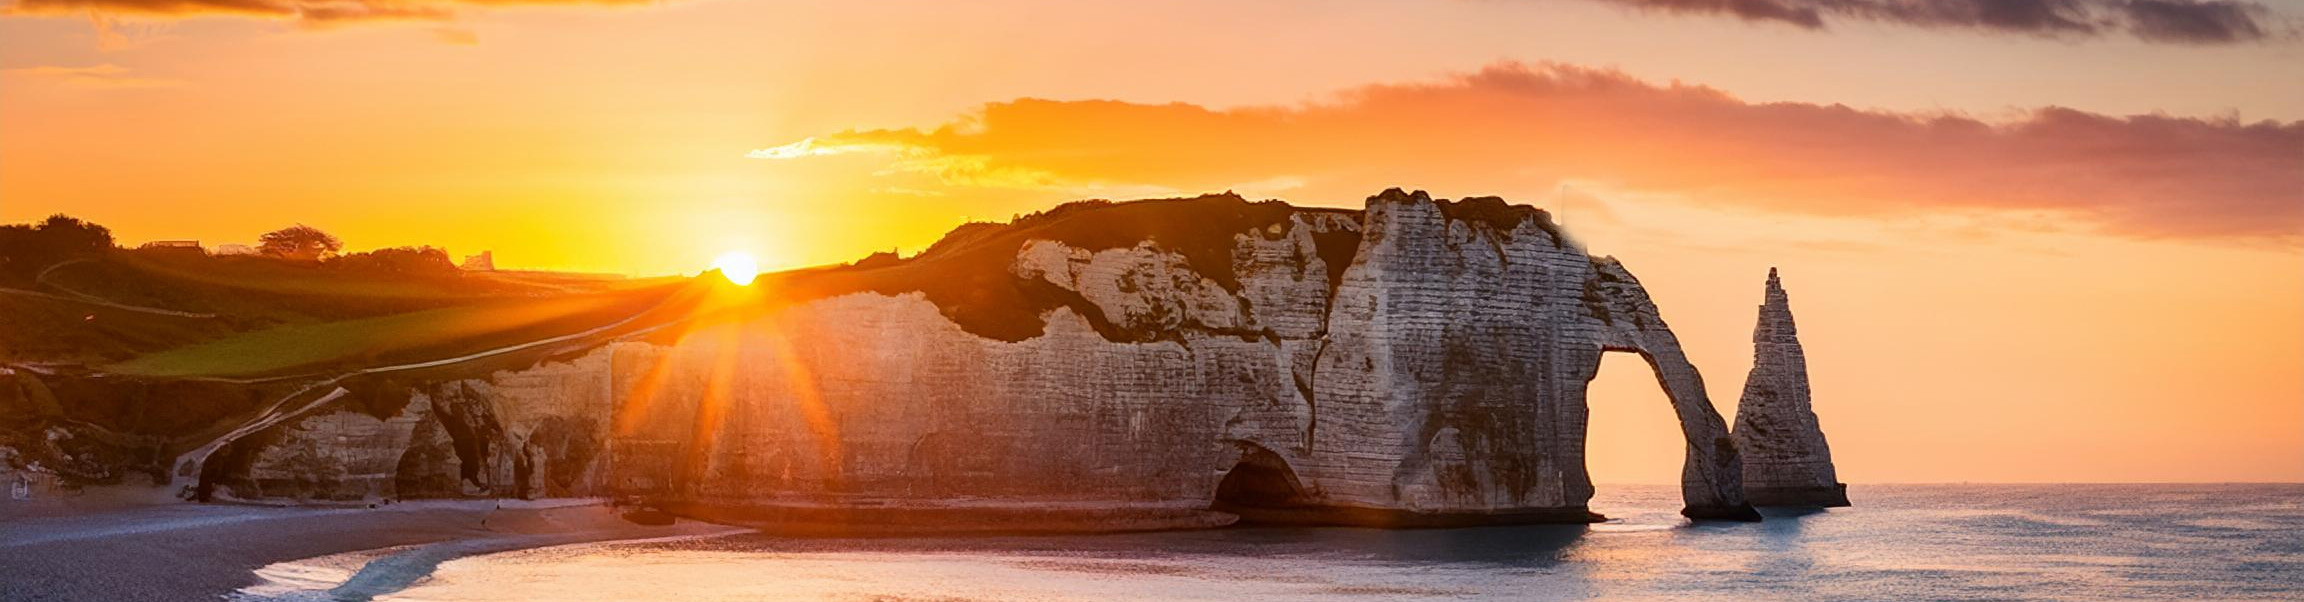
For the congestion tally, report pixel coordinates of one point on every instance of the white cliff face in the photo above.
(1458, 361)
(1442, 375)
(1437, 386)
(1418, 362)
(539, 432)
(871, 397)
(353, 455)
(1786, 460)
(1283, 277)
(1141, 289)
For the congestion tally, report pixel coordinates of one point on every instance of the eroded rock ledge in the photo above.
(1155, 363)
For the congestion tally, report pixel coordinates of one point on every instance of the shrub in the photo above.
(410, 261)
(25, 249)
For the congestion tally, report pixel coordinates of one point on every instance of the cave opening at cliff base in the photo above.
(1259, 481)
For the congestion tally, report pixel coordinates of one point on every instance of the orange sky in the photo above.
(2068, 247)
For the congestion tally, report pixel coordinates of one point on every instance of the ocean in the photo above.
(1900, 542)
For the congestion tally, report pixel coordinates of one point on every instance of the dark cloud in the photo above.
(2169, 21)
(1522, 127)
(307, 12)
(1753, 10)
(2195, 22)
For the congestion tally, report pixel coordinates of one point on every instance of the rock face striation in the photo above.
(534, 433)
(1418, 362)
(1786, 461)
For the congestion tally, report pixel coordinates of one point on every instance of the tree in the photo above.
(73, 235)
(409, 261)
(27, 248)
(299, 242)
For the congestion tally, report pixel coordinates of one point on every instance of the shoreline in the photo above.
(388, 570)
(184, 551)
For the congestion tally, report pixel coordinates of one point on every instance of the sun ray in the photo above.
(738, 267)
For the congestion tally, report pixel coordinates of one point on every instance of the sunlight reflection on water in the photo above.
(1900, 542)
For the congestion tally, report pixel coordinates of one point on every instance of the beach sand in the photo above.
(185, 551)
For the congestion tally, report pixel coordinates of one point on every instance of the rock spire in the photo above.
(1786, 460)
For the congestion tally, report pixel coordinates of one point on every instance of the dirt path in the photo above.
(79, 297)
(85, 299)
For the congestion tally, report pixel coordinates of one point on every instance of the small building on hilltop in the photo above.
(191, 245)
(484, 262)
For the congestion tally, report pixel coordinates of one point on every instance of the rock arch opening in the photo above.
(1711, 479)
(1632, 436)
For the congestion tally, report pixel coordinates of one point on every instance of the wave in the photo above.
(368, 574)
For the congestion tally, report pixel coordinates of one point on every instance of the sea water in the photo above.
(1918, 542)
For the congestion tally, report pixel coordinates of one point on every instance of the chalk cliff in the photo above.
(1152, 363)
(538, 432)
(1786, 460)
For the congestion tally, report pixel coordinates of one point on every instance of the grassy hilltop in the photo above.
(169, 312)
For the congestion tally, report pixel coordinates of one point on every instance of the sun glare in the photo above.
(738, 266)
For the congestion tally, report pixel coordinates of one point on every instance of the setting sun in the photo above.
(738, 266)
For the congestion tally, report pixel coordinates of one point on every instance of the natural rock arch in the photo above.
(1711, 480)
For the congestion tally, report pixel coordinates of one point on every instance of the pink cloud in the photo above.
(1529, 126)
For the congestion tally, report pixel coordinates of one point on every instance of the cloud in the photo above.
(2191, 21)
(809, 147)
(1517, 127)
(94, 76)
(2163, 21)
(312, 13)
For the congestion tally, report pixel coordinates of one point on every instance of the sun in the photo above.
(738, 266)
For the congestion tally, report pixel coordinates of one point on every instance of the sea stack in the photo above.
(1786, 461)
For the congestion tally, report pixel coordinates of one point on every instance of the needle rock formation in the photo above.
(1786, 461)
